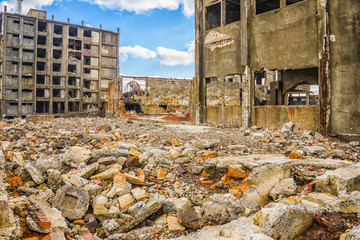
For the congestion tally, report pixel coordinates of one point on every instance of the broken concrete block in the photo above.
(4, 208)
(177, 205)
(152, 205)
(73, 202)
(126, 201)
(55, 236)
(54, 181)
(281, 221)
(173, 224)
(287, 127)
(284, 188)
(353, 234)
(36, 176)
(120, 186)
(220, 209)
(265, 178)
(43, 218)
(76, 155)
(119, 152)
(341, 179)
(347, 203)
(109, 173)
(100, 211)
(315, 150)
(190, 219)
(139, 194)
(207, 143)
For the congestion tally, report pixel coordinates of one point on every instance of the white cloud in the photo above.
(166, 56)
(171, 57)
(137, 52)
(141, 6)
(27, 4)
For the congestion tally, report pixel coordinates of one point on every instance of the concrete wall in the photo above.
(345, 66)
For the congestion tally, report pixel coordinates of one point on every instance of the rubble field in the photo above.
(127, 178)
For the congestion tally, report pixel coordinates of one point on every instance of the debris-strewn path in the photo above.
(96, 178)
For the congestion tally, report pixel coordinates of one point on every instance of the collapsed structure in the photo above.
(267, 62)
(51, 67)
(149, 95)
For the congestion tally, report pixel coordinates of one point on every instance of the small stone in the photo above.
(211, 154)
(36, 176)
(139, 194)
(100, 211)
(177, 205)
(190, 219)
(126, 201)
(76, 155)
(134, 152)
(174, 225)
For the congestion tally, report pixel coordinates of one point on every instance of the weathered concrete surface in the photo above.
(342, 179)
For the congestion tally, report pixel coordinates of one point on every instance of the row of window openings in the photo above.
(58, 29)
(59, 81)
(214, 12)
(58, 107)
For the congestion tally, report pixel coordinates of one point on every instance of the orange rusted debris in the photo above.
(267, 140)
(187, 118)
(205, 174)
(15, 182)
(205, 183)
(209, 227)
(241, 188)
(294, 155)
(232, 173)
(161, 174)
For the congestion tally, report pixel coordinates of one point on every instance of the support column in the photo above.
(200, 101)
(247, 84)
(324, 61)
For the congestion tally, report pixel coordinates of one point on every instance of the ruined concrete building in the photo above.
(267, 62)
(51, 67)
(149, 95)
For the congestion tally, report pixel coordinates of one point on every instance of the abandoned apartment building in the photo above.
(51, 67)
(149, 95)
(267, 62)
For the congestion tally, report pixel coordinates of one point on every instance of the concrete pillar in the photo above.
(247, 83)
(199, 86)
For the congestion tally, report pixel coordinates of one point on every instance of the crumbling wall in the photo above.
(345, 66)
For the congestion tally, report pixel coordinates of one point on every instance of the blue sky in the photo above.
(157, 36)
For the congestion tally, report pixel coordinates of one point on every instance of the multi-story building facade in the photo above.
(267, 62)
(51, 67)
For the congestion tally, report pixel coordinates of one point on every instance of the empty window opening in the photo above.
(16, 21)
(57, 93)
(42, 40)
(87, 95)
(15, 52)
(40, 92)
(87, 33)
(73, 93)
(28, 24)
(73, 107)
(87, 60)
(28, 51)
(71, 68)
(40, 66)
(41, 53)
(232, 11)
(56, 67)
(42, 107)
(87, 70)
(75, 44)
(74, 56)
(40, 79)
(28, 37)
(58, 29)
(42, 26)
(58, 107)
(56, 81)
(87, 46)
(260, 78)
(263, 6)
(133, 107)
(73, 31)
(289, 2)
(213, 16)
(57, 42)
(72, 81)
(57, 54)
(87, 84)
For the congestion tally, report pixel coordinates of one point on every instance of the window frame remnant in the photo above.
(264, 6)
(230, 16)
(290, 2)
(213, 15)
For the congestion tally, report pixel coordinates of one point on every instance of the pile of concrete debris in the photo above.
(131, 179)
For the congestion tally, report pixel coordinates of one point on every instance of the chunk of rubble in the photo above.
(284, 188)
(76, 155)
(282, 221)
(73, 202)
(341, 179)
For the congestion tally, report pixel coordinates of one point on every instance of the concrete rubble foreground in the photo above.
(94, 178)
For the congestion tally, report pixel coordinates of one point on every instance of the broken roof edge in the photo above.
(37, 13)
